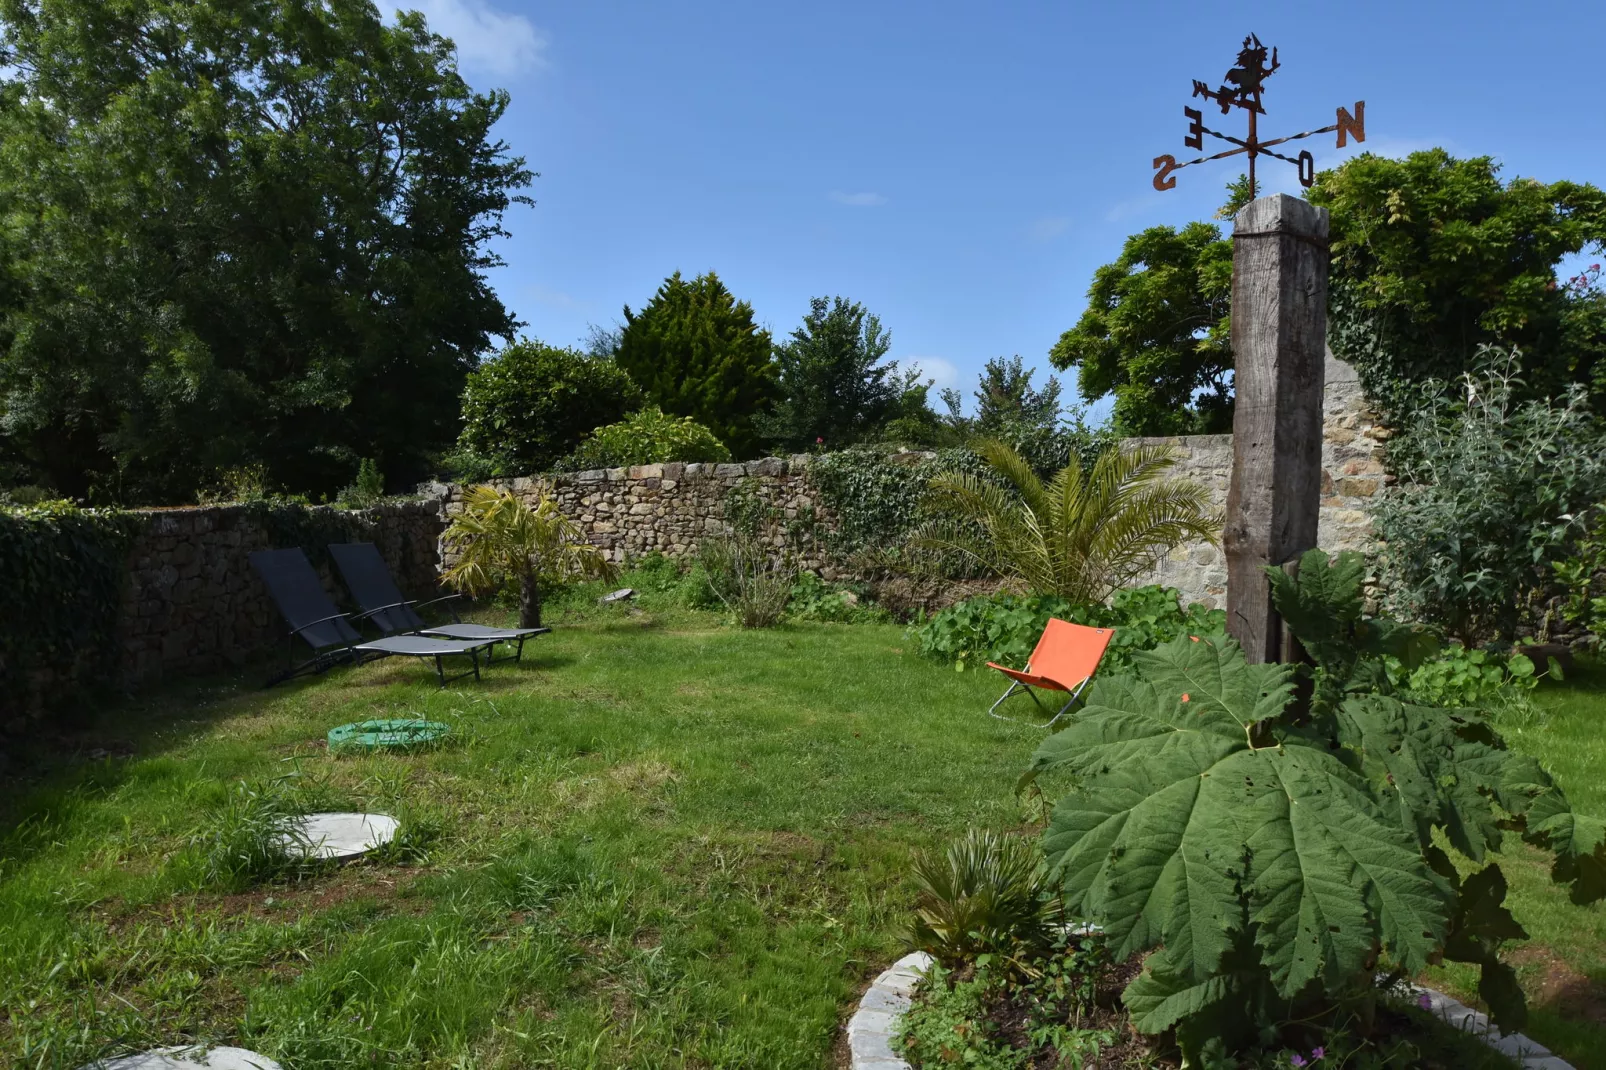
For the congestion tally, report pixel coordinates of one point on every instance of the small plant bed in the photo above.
(1071, 1016)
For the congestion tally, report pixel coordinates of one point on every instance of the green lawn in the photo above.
(658, 842)
(1563, 966)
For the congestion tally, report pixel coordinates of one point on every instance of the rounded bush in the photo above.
(648, 437)
(534, 403)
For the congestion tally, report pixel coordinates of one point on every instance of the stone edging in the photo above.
(872, 1026)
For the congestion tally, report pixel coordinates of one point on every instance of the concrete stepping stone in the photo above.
(623, 594)
(189, 1058)
(342, 836)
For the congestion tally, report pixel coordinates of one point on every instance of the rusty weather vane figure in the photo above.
(1242, 88)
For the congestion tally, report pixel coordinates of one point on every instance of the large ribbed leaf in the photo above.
(1180, 825)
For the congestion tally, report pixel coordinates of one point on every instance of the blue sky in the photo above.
(961, 169)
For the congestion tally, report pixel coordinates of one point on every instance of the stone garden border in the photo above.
(872, 1026)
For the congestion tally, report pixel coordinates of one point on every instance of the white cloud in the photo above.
(493, 41)
(1048, 227)
(936, 368)
(859, 200)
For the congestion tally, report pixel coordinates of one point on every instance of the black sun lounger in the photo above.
(313, 618)
(369, 580)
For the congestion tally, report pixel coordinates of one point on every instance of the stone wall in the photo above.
(1352, 475)
(194, 605)
(670, 507)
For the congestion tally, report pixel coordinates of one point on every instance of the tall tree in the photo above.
(1434, 257)
(832, 380)
(239, 232)
(1005, 396)
(695, 351)
(1155, 333)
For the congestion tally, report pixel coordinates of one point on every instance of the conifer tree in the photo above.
(695, 351)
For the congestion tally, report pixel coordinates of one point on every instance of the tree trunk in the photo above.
(529, 601)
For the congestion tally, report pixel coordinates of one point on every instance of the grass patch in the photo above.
(1563, 965)
(657, 842)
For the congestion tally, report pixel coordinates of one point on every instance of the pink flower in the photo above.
(819, 441)
(1317, 1054)
(1297, 1060)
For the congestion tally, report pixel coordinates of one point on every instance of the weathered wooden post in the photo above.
(1279, 336)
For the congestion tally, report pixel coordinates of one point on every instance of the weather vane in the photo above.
(1242, 89)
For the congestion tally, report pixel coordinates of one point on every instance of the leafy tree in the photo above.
(1006, 397)
(500, 538)
(534, 403)
(833, 384)
(1435, 256)
(1156, 334)
(696, 352)
(648, 437)
(1080, 535)
(1432, 257)
(239, 232)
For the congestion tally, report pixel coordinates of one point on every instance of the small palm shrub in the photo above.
(1082, 534)
(987, 894)
(500, 538)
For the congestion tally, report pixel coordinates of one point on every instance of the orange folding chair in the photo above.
(1064, 659)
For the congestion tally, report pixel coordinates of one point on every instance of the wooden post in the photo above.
(1279, 337)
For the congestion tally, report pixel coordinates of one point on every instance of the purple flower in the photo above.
(1425, 1001)
(1297, 1060)
(1317, 1054)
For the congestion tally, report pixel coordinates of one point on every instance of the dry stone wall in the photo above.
(670, 507)
(193, 604)
(1352, 475)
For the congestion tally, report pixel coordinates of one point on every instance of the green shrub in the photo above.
(534, 403)
(1488, 489)
(647, 437)
(748, 578)
(1458, 677)
(1582, 575)
(1005, 627)
(368, 490)
(987, 894)
(814, 599)
(1283, 853)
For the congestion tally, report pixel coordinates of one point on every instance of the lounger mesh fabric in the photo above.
(369, 580)
(312, 616)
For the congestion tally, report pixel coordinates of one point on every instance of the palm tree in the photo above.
(1082, 535)
(498, 537)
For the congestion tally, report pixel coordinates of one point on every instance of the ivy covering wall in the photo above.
(63, 572)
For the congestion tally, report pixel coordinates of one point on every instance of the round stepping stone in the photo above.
(189, 1058)
(395, 733)
(342, 836)
(623, 594)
